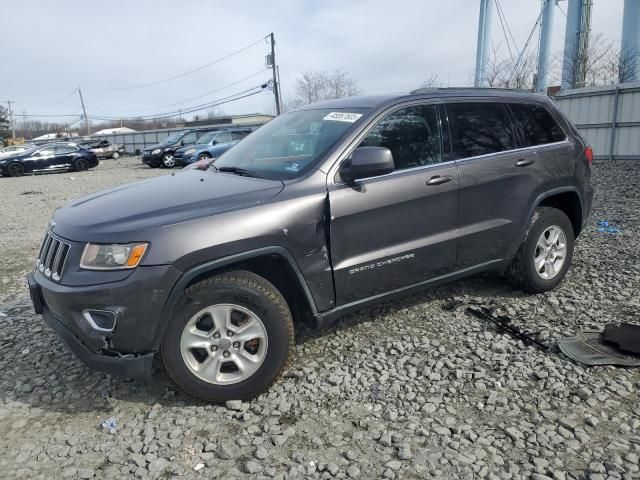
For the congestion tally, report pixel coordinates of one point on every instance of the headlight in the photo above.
(112, 257)
(156, 151)
(189, 151)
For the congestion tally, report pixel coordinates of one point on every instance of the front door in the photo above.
(395, 230)
(40, 160)
(498, 182)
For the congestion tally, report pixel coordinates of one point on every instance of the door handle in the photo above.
(523, 162)
(438, 180)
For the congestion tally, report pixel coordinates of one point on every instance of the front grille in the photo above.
(53, 254)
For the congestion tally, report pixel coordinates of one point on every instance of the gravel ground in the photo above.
(415, 388)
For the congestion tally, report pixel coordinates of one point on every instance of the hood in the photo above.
(161, 146)
(127, 212)
(198, 147)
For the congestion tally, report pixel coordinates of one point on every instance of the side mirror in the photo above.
(367, 162)
(182, 143)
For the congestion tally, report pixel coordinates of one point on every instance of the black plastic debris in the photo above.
(589, 348)
(625, 336)
(504, 324)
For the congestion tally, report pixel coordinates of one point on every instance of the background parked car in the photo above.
(210, 145)
(106, 149)
(13, 149)
(48, 158)
(163, 154)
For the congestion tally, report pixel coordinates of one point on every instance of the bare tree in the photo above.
(215, 112)
(315, 86)
(508, 72)
(603, 63)
(432, 81)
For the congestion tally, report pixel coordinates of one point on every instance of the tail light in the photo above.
(588, 154)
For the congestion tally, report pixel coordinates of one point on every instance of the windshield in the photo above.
(290, 145)
(173, 138)
(206, 138)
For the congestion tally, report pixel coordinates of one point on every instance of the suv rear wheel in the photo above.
(230, 338)
(545, 255)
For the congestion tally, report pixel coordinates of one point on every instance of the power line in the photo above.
(75, 90)
(526, 45)
(237, 96)
(504, 30)
(199, 96)
(184, 74)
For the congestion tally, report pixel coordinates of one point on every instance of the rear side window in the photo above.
(412, 134)
(189, 138)
(536, 125)
(479, 129)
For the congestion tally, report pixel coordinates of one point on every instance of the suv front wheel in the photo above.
(230, 338)
(545, 255)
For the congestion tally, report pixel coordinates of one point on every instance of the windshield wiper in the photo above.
(239, 171)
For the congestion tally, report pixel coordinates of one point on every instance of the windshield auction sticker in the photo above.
(343, 116)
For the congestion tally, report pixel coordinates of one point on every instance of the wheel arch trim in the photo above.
(547, 194)
(213, 265)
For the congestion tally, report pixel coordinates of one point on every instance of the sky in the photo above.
(49, 49)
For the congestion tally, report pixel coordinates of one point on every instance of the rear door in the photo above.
(64, 156)
(556, 153)
(499, 181)
(395, 230)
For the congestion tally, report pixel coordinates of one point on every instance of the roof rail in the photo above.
(467, 89)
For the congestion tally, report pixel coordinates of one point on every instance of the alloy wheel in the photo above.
(550, 252)
(224, 344)
(168, 161)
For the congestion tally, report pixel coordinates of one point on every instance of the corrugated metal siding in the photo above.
(592, 111)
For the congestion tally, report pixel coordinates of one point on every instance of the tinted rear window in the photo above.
(536, 124)
(479, 129)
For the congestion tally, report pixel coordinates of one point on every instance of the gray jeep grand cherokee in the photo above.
(321, 211)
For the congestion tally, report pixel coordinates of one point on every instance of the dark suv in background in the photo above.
(321, 211)
(209, 146)
(163, 154)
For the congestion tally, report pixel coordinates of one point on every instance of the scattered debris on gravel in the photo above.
(415, 388)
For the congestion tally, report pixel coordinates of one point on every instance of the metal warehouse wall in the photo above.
(608, 117)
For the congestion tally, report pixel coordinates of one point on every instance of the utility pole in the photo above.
(276, 93)
(84, 112)
(13, 127)
(544, 50)
(484, 43)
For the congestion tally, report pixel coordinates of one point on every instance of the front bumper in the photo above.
(150, 159)
(183, 160)
(137, 303)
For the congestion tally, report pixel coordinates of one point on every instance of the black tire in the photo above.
(203, 156)
(168, 160)
(523, 269)
(15, 169)
(81, 164)
(255, 294)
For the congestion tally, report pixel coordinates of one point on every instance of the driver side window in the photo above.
(412, 134)
(45, 151)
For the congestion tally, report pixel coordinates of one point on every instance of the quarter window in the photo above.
(412, 134)
(536, 124)
(479, 129)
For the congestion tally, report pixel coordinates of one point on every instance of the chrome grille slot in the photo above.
(52, 257)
